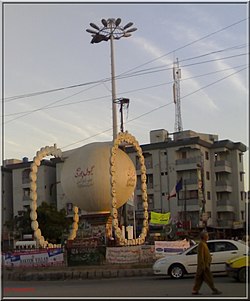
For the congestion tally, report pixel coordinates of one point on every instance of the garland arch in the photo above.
(128, 138)
(43, 152)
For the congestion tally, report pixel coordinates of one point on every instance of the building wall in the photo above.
(7, 200)
(46, 178)
(166, 161)
(223, 187)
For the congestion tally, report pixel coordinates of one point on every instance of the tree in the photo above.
(52, 223)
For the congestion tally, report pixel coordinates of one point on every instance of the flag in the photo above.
(176, 189)
(159, 218)
(131, 200)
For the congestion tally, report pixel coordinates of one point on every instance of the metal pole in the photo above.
(134, 220)
(185, 205)
(113, 88)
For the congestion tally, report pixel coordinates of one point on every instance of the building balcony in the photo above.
(187, 164)
(191, 204)
(222, 166)
(224, 203)
(225, 223)
(225, 206)
(223, 185)
(148, 165)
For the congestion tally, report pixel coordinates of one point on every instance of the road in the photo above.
(133, 287)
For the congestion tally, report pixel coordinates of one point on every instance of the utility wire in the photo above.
(159, 107)
(129, 91)
(60, 100)
(126, 75)
(179, 48)
(188, 44)
(182, 66)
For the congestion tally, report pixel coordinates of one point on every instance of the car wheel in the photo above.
(242, 275)
(177, 271)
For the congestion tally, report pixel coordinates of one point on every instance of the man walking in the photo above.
(203, 272)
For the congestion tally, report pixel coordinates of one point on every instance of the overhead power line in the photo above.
(51, 106)
(159, 107)
(166, 54)
(164, 69)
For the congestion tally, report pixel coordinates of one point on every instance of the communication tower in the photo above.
(176, 94)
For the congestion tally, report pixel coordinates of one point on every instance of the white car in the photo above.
(185, 262)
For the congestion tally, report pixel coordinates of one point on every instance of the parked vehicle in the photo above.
(185, 262)
(238, 267)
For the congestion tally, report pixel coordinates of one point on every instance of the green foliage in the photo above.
(52, 222)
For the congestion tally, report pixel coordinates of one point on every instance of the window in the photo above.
(241, 176)
(221, 246)
(26, 194)
(25, 176)
(138, 182)
(149, 181)
(207, 175)
(207, 155)
(184, 155)
(147, 159)
(139, 202)
(208, 195)
(193, 251)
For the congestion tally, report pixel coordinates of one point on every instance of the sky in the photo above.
(56, 85)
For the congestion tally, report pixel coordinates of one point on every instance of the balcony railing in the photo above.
(224, 203)
(189, 202)
(188, 163)
(225, 223)
(223, 185)
(223, 166)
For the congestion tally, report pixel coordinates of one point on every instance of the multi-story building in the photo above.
(213, 178)
(211, 170)
(16, 188)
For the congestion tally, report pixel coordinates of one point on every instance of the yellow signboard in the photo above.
(160, 218)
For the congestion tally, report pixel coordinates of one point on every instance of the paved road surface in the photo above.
(146, 287)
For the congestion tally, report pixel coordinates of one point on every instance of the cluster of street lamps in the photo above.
(111, 30)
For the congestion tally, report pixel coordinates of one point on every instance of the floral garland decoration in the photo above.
(43, 152)
(128, 138)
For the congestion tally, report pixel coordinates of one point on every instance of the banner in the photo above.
(160, 218)
(34, 258)
(163, 248)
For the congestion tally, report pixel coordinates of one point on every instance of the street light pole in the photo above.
(111, 30)
(114, 114)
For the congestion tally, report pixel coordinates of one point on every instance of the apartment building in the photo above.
(213, 179)
(16, 188)
(211, 170)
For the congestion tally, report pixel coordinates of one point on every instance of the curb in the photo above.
(75, 275)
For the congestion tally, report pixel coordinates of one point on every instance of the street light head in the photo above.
(131, 30)
(91, 31)
(97, 38)
(128, 25)
(118, 21)
(104, 22)
(94, 26)
(126, 35)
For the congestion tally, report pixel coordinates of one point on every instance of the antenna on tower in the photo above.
(176, 94)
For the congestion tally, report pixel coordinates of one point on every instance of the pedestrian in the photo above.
(203, 273)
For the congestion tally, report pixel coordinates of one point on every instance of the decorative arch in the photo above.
(129, 139)
(43, 152)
